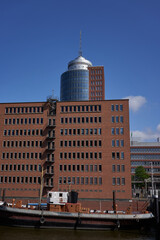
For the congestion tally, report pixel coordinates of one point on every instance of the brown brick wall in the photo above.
(51, 169)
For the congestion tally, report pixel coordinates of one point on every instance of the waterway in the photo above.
(11, 233)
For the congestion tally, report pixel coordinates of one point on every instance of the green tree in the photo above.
(141, 175)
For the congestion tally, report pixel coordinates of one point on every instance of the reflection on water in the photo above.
(11, 233)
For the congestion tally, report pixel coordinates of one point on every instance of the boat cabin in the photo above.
(57, 198)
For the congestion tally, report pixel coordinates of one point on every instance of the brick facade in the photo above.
(96, 83)
(79, 145)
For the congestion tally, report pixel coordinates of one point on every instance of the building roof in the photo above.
(144, 144)
(79, 63)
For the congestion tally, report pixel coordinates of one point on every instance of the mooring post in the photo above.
(114, 201)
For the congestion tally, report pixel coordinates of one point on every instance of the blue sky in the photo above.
(39, 38)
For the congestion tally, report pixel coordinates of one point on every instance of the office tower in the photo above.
(96, 83)
(75, 81)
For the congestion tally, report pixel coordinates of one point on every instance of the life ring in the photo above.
(42, 220)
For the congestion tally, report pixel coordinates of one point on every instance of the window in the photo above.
(117, 119)
(117, 155)
(122, 131)
(62, 109)
(122, 143)
(122, 155)
(61, 120)
(113, 143)
(121, 107)
(118, 168)
(117, 107)
(117, 143)
(112, 119)
(66, 120)
(121, 119)
(118, 181)
(113, 168)
(99, 131)
(100, 181)
(123, 168)
(87, 120)
(112, 131)
(91, 180)
(113, 181)
(95, 180)
(70, 120)
(123, 181)
(77, 180)
(117, 131)
(112, 107)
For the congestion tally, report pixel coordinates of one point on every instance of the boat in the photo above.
(63, 211)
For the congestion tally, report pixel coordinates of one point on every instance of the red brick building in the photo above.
(79, 145)
(96, 83)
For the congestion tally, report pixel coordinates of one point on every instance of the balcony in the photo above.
(50, 160)
(48, 172)
(51, 136)
(51, 125)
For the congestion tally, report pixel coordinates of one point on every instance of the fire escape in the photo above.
(49, 146)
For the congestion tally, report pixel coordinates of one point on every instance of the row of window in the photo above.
(13, 179)
(23, 132)
(21, 167)
(96, 82)
(81, 120)
(143, 163)
(118, 168)
(80, 180)
(96, 98)
(82, 108)
(19, 155)
(97, 77)
(117, 107)
(81, 143)
(96, 88)
(148, 170)
(18, 110)
(96, 94)
(50, 157)
(82, 168)
(145, 156)
(117, 155)
(118, 181)
(13, 121)
(49, 170)
(117, 143)
(96, 71)
(85, 190)
(145, 150)
(81, 155)
(117, 131)
(82, 131)
(22, 143)
(117, 119)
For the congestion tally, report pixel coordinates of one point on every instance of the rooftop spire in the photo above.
(80, 45)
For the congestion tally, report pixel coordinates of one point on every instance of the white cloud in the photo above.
(136, 102)
(146, 135)
(158, 128)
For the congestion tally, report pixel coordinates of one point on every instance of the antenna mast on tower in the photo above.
(80, 45)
